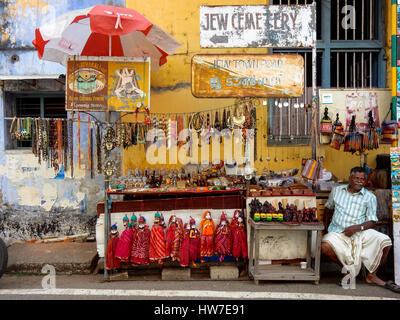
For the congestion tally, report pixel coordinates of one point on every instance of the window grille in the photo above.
(350, 54)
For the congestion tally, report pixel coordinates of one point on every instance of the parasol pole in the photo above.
(106, 185)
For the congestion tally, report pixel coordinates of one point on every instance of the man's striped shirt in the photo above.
(350, 208)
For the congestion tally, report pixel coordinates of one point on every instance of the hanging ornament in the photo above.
(79, 141)
(326, 124)
(109, 142)
(109, 168)
(337, 134)
(89, 146)
(98, 148)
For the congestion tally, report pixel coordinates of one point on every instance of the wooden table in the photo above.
(282, 272)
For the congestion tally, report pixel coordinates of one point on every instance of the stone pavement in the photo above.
(81, 259)
(66, 257)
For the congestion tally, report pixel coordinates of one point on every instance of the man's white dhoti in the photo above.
(364, 247)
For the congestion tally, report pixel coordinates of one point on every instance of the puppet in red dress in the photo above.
(157, 240)
(123, 250)
(190, 250)
(207, 228)
(223, 238)
(239, 237)
(141, 244)
(174, 238)
(112, 262)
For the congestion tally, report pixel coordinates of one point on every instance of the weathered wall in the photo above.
(19, 19)
(25, 224)
(38, 205)
(34, 204)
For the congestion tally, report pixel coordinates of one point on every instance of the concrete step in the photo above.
(65, 257)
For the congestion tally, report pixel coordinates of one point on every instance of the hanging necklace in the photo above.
(40, 140)
(65, 143)
(229, 123)
(89, 146)
(71, 145)
(98, 147)
(141, 136)
(46, 140)
(34, 146)
(238, 120)
(197, 121)
(134, 134)
(79, 141)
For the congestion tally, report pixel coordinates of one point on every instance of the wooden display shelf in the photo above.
(282, 272)
(177, 192)
(285, 272)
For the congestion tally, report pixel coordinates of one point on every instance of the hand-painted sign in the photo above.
(107, 83)
(235, 75)
(257, 26)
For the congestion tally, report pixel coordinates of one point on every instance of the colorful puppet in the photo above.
(141, 244)
(190, 250)
(207, 228)
(157, 240)
(133, 220)
(112, 262)
(174, 238)
(239, 237)
(123, 249)
(223, 238)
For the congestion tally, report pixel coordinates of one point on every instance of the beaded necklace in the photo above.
(79, 141)
(34, 138)
(71, 145)
(141, 135)
(98, 147)
(65, 144)
(89, 146)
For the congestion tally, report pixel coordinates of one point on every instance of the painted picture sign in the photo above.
(257, 26)
(235, 75)
(359, 104)
(395, 177)
(107, 83)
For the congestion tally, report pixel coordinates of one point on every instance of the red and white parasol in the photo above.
(104, 31)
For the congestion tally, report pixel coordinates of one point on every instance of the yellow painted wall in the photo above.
(171, 89)
(388, 42)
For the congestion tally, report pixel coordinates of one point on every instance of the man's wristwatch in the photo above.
(362, 228)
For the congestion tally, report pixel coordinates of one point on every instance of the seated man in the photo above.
(351, 239)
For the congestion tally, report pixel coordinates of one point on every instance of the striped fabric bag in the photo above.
(312, 168)
(389, 131)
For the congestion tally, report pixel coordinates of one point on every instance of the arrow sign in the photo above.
(257, 26)
(219, 39)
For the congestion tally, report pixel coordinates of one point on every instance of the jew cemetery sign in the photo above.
(235, 75)
(257, 26)
(107, 83)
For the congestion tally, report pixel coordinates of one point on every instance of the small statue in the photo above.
(123, 249)
(239, 237)
(299, 214)
(112, 262)
(313, 215)
(157, 240)
(190, 250)
(174, 238)
(207, 228)
(223, 238)
(141, 244)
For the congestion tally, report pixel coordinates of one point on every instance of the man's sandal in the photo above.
(388, 285)
(392, 286)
